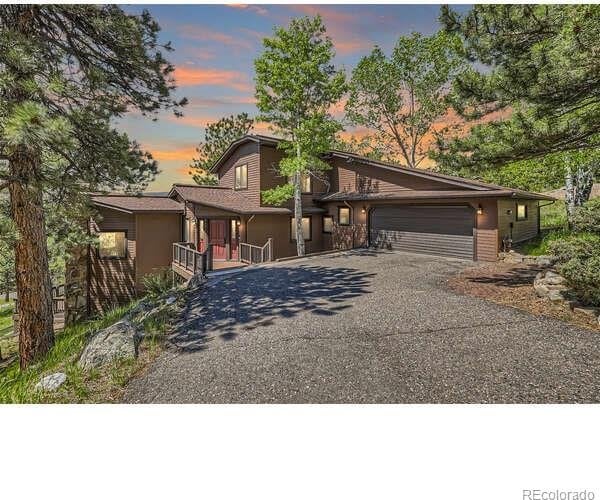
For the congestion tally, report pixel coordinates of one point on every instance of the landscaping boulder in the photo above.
(550, 284)
(51, 382)
(118, 341)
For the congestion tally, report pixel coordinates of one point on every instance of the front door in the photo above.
(217, 236)
(234, 239)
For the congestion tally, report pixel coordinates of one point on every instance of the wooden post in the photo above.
(209, 257)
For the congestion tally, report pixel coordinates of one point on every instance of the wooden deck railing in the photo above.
(188, 258)
(254, 254)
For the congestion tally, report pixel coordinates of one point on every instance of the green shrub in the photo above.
(581, 246)
(578, 260)
(587, 217)
(158, 282)
(583, 274)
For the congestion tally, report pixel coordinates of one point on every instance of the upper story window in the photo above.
(305, 183)
(241, 177)
(112, 245)
(521, 211)
(343, 216)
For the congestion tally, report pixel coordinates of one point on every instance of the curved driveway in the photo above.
(365, 327)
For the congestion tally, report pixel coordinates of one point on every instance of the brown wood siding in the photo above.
(269, 159)
(112, 281)
(368, 179)
(156, 234)
(522, 230)
(486, 241)
(245, 154)
(262, 227)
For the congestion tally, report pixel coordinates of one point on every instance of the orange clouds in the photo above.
(182, 154)
(186, 76)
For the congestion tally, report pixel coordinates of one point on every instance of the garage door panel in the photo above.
(432, 230)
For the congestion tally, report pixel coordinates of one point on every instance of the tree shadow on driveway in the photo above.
(250, 299)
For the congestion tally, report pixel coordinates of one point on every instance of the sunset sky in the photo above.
(215, 47)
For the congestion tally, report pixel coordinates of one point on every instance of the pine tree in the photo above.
(65, 72)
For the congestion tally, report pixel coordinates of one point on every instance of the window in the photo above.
(241, 177)
(305, 183)
(521, 211)
(344, 216)
(189, 230)
(306, 228)
(112, 245)
(327, 223)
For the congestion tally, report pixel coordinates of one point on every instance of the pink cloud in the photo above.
(341, 27)
(204, 34)
(258, 9)
(186, 76)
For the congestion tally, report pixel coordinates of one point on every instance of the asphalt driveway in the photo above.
(365, 327)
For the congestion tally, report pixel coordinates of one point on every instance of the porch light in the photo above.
(363, 210)
(479, 210)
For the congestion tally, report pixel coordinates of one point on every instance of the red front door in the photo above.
(217, 235)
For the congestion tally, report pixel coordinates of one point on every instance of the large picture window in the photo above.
(343, 216)
(521, 211)
(112, 245)
(306, 228)
(241, 177)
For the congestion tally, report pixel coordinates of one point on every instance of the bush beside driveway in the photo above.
(365, 327)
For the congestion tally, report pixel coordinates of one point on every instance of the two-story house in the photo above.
(358, 202)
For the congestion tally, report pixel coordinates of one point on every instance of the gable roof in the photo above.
(475, 187)
(223, 198)
(257, 138)
(137, 204)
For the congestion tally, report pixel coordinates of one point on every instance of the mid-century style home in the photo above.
(359, 202)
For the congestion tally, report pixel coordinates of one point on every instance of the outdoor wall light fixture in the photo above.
(509, 212)
(479, 210)
(363, 210)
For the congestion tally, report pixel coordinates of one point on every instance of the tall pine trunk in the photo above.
(35, 326)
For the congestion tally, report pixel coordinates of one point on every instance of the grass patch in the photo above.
(97, 385)
(6, 313)
(553, 216)
(541, 244)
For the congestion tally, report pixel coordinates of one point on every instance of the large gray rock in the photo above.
(118, 341)
(51, 382)
(541, 290)
(556, 296)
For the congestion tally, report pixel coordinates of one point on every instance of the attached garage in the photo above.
(436, 230)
